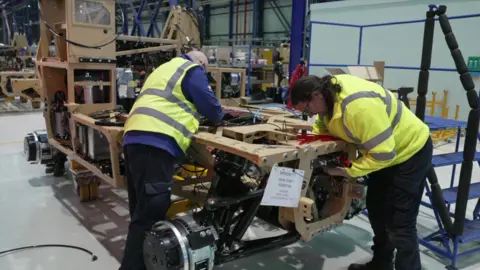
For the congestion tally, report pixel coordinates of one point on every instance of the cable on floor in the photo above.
(94, 257)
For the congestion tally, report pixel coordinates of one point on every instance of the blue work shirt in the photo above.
(197, 90)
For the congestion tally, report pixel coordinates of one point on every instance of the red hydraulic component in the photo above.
(343, 160)
(308, 138)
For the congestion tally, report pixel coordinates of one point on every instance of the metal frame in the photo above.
(125, 19)
(5, 28)
(258, 8)
(137, 29)
(19, 14)
(281, 17)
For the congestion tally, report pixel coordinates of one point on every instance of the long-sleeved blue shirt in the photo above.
(197, 90)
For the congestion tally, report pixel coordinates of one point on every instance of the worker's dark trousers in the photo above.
(149, 173)
(393, 201)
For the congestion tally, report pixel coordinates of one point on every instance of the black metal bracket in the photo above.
(97, 60)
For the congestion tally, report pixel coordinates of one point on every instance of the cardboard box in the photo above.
(373, 73)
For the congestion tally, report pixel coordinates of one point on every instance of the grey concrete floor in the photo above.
(39, 209)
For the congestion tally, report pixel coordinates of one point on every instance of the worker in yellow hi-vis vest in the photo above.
(396, 153)
(158, 131)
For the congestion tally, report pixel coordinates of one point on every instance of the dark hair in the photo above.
(303, 88)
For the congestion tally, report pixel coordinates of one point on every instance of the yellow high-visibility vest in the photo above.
(161, 106)
(386, 132)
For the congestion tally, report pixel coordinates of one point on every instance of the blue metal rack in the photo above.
(472, 227)
(248, 65)
(138, 28)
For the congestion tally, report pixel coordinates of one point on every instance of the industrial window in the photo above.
(90, 12)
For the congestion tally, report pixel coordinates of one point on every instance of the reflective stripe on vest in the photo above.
(373, 142)
(164, 118)
(168, 95)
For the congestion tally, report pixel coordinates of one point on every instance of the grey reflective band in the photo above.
(388, 102)
(384, 135)
(171, 98)
(373, 142)
(384, 156)
(164, 118)
(398, 116)
(168, 92)
(176, 76)
(351, 98)
(349, 134)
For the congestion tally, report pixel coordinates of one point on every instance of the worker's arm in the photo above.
(320, 127)
(196, 89)
(372, 128)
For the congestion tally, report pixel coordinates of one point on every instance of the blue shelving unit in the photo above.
(250, 67)
(450, 247)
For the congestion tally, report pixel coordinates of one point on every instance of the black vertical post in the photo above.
(207, 14)
(425, 64)
(472, 124)
(436, 191)
(230, 23)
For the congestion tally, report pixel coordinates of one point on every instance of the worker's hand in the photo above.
(338, 171)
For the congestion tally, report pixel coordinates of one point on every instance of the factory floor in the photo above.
(38, 209)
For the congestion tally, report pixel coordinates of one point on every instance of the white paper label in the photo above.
(284, 187)
(122, 91)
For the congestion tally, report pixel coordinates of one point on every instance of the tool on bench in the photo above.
(108, 123)
(109, 118)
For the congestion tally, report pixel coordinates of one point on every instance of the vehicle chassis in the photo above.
(214, 209)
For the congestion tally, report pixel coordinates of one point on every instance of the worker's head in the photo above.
(199, 58)
(315, 95)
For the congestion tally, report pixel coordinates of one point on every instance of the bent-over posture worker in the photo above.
(159, 130)
(396, 152)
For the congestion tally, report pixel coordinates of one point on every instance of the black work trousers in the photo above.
(393, 201)
(149, 173)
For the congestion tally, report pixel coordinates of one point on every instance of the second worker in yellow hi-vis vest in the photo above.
(396, 152)
(159, 130)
